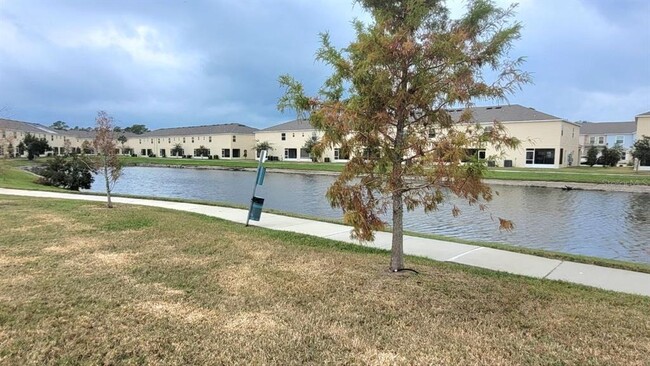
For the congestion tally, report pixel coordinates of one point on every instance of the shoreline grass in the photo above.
(83, 284)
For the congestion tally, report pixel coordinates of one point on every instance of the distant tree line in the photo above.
(137, 129)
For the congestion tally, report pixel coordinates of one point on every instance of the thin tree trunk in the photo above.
(108, 186)
(397, 248)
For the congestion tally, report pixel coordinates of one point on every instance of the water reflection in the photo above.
(603, 224)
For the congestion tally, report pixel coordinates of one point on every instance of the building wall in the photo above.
(642, 126)
(292, 140)
(216, 143)
(559, 136)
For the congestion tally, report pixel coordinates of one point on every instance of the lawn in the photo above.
(83, 284)
(12, 176)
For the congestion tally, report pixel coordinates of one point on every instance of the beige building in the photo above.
(12, 133)
(288, 139)
(546, 141)
(642, 125)
(226, 141)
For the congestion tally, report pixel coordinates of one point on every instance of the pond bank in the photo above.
(606, 187)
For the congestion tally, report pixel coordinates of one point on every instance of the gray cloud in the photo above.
(196, 62)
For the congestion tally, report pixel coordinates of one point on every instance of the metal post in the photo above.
(259, 167)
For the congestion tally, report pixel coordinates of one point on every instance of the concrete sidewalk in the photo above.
(495, 259)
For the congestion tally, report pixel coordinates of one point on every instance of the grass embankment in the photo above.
(625, 175)
(575, 175)
(84, 284)
(307, 166)
(12, 176)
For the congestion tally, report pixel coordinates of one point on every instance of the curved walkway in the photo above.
(494, 259)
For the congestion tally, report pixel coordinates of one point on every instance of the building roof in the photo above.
(26, 127)
(504, 113)
(295, 125)
(228, 128)
(603, 128)
(644, 114)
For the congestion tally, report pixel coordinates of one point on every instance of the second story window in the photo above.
(183, 139)
(601, 140)
(620, 139)
(234, 138)
(284, 136)
(192, 139)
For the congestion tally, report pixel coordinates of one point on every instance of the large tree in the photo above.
(107, 160)
(60, 125)
(137, 129)
(390, 94)
(35, 146)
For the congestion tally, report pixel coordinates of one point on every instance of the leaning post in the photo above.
(255, 209)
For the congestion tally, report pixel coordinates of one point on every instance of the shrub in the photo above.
(70, 173)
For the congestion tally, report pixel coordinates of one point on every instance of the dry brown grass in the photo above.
(139, 285)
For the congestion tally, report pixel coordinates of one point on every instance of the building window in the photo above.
(293, 135)
(304, 154)
(139, 141)
(225, 153)
(601, 140)
(339, 154)
(620, 139)
(283, 136)
(303, 134)
(234, 138)
(209, 138)
(540, 156)
(235, 153)
(592, 140)
(192, 139)
(169, 140)
(152, 141)
(290, 153)
(183, 139)
(158, 140)
(470, 153)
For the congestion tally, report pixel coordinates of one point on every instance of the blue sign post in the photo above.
(255, 210)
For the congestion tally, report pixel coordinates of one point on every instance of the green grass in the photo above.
(595, 175)
(308, 166)
(12, 176)
(80, 285)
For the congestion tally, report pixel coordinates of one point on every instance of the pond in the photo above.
(610, 225)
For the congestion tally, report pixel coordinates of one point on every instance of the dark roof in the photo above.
(295, 125)
(27, 127)
(644, 114)
(504, 113)
(228, 128)
(602, 128)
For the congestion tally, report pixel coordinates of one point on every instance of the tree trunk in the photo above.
(397, 248)
(108, 186)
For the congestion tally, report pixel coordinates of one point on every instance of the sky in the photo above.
(176, 63)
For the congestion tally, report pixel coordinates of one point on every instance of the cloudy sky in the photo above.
(181, 63)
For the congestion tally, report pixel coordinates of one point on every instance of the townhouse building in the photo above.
(608, 134)
(224, 141)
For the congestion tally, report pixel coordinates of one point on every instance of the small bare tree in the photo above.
(106, 160)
